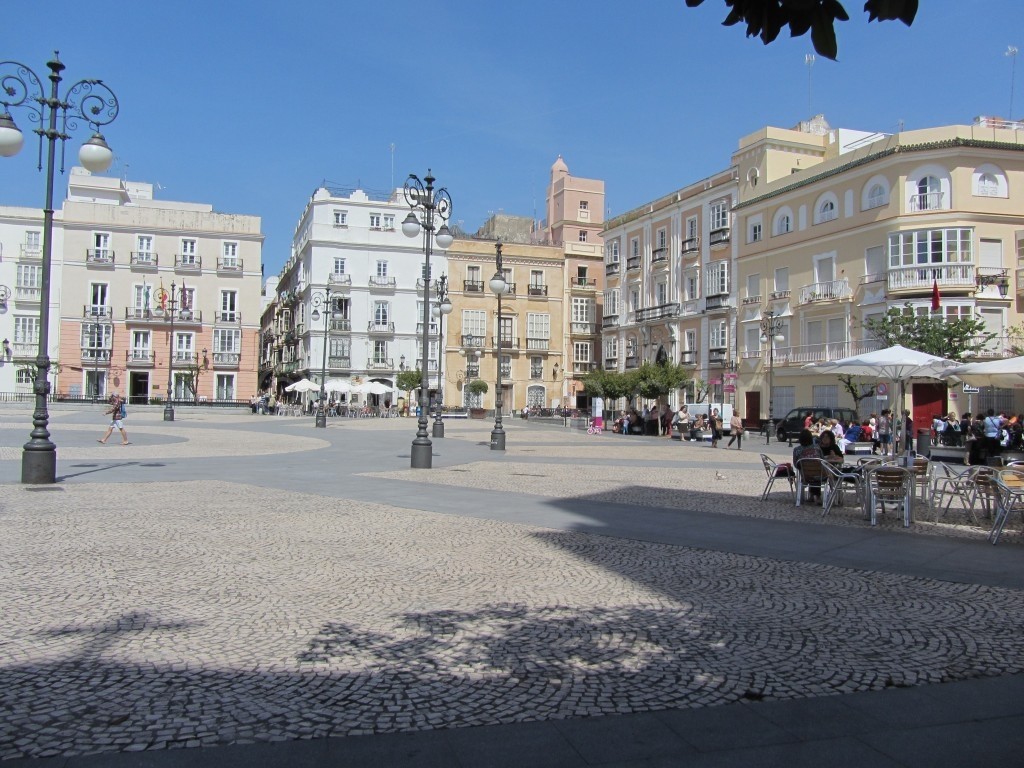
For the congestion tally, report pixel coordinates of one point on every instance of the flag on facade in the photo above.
(184, 296)
(936, 298)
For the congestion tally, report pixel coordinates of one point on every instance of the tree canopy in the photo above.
(766, 18)
(933, 334)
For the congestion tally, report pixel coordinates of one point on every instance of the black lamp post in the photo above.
(436, 207)
(169, 302)
(97, 337)
(771, 332)
(499, 288)
(323, 300)
(439, 310)
(93, 103)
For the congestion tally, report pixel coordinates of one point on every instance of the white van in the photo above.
(724, 412)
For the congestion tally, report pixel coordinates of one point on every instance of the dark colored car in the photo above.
(794, 420)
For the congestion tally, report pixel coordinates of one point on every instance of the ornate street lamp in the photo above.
(323, 300)
(436, 207)
(771, 332)
(499, 287)
(88, 101)
(438, 311)
(169, 303)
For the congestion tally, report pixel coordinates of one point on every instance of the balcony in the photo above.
(30, 251)
(340, 325)
(144, 260)
(183, 358)
(27, 293)
(718, 236)
(582, 328)
(380, 364)
(747, 300)
(99, 257)
(473, 286)
(657, 312)
(611, 268)
(921, 278)
(611, 363)
(929, 201)
(145, 315)
(226, 359)
(688, 357)
(382, 283)
(95, 357)
(139, 358)
(833, 290)
(690, 245)
(717, 355)
(609, 321)
(375, 327)
(474, 342)
(472, 371)
(583, 283)
(718, 303)
(632, 361)
(580, 367)
(507, 342)
(229, 266)
(98, 310)
(339, 362)
(229, 317)
(539, 345)
(537, 290)
(779, 295)
(536, 374)
(339, 280)
(633, 263)
(289, 366)
(510, 289)
(187, 262)
(691, 308)
(820, 353)
(432, 329)
(659, 257)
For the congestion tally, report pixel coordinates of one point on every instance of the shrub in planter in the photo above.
(477, 387)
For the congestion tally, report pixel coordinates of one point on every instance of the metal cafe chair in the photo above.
(839, 482)
(809, 477)
(776, 471)
(1009, 484)
(889, 485)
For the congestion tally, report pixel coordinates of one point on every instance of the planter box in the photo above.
(477, 413)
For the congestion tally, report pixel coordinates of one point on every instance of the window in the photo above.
(96, 336)
(781, 279)
(752, 340)
(719, 335)
(826, 211)
(473, 274)
(611, 348)
(581, 351)
(661, 293)
(374, 221)
(611, 302)
(381, 311)
(227, 340)
(380, 351)
(825, 395)
(634, 299)
(717, 278)
(929, 194)
(144, 244)
(98, 304)
(583, 310)
(783, 222)
(33, 242)
(29, 280)
(229, 306)
(613, 252)
(382, 269)
(753, 285)
(878, 196)
(931, 246)
(536, 367)
(584, 205)
(691, 228)
(26, 330)
(188, 252)
(25, 376)
(755, 231)
(389, 222)
(538, 325)
(662, 238)
(230, 253)
(691, 283)
(140, 345)
(634, 247)
(989, 181)
(690, 341)
(339, 266)
(583, 236)
(225, 386)
(720, 215)
(631, 346)
(339, 346)
(188, 299)
(536, 278)
(474, 322)
(987, 185)
(341, 218)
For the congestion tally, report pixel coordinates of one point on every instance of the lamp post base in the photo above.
(168, 412)
(422, 454)
(39, 467)
(497, 439)
(438, 428)
(321, 420)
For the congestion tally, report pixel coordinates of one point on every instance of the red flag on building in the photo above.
(936, 298)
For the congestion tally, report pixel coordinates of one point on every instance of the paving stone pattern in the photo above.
(226, 613)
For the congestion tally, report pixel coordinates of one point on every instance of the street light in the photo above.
(97, 337)
(439, 310)
(323, 300)
(771, 332)
(435, 205)
(169, 303)
(93, 103)
(499, 287)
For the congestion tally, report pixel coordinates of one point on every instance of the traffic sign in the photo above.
(882, 389)
(969, 390)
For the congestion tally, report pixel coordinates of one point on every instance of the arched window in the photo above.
(877, 196)
(929, 195)
(827, 211)
(783, 222)
(988, 185)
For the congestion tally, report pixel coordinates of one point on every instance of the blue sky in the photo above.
(250, 105)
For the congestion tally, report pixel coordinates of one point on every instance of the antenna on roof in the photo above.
(1011, 51)
(809, 61)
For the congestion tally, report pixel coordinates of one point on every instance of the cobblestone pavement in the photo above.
(244, 614)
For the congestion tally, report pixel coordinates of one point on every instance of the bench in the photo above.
(859, 449)
(948, 453)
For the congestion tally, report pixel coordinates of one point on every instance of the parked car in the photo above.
(794, 420)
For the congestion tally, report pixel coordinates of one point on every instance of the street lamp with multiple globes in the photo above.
(170, 304)
(323, 300)
(88, 101)
(436, 207)
(499, 287)
(771, 332)
(439, 310)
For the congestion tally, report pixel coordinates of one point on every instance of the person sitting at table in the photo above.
(830, 450)
(806, 449)
(852, 435)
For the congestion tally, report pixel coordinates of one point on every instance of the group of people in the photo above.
(983, 435)
(664, 423)
(877, 429)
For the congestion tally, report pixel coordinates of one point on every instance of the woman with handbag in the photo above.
(736, 430)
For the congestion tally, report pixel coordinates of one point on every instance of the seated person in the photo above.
(636, 426)
(867, 433)
(828, 447)
(698, 425)
(852, 435)
(806, 449)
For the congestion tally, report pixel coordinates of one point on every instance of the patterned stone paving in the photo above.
(249, 614)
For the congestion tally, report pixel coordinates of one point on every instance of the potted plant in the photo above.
(476, 388)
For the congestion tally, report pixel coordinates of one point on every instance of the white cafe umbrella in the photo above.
(373, 388)
(342, 386)
(1007, 373)
(303, 385)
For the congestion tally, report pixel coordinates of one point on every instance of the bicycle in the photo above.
(594, 429)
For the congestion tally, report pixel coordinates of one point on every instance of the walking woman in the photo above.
(736, 431)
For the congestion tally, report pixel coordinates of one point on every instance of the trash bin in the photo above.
(924, 442)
